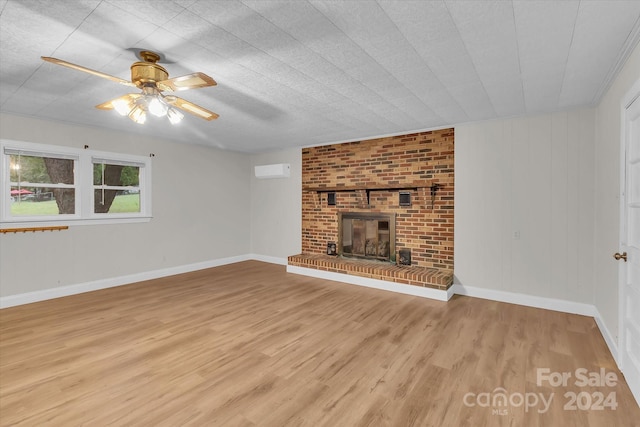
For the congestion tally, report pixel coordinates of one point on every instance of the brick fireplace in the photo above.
(401, 184)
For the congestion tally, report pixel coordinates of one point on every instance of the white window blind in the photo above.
(52, 155)
(106, 161)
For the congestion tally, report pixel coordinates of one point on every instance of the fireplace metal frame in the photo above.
(380, 216)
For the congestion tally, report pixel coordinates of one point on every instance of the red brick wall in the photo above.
(419, 159)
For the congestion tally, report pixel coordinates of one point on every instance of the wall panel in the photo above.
(524, 205)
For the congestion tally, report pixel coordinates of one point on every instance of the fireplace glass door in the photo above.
(366, 237)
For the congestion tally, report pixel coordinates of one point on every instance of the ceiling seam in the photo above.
(566, 62)
(127, 12)
(493, 107)
(77, 27)
(424, 62)
(58, 47)
(515, 27)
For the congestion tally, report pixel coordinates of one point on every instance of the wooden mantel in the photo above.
(369, 187)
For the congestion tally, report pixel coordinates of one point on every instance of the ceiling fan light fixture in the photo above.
(157, 107)
(138, 115)
(174, 116)
(122, 107)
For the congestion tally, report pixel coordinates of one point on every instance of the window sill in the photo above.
(73, 222)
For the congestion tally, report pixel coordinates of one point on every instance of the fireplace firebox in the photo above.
(367, 235)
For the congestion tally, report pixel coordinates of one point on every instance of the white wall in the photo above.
(201, 208)
(276, 207)
(607, 189)
(524, 205)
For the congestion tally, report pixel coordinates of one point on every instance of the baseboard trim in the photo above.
(608, 337)
(526, 300)
(417, 291)
(63, 291)
(269, 259)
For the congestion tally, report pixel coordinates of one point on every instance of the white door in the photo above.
(630, 249)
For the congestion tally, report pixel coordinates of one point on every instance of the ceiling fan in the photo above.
(152, 79)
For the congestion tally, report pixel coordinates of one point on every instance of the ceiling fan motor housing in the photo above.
(147, 72)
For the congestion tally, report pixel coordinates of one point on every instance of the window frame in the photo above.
(83, 184)
(7, 152)
(142, 179)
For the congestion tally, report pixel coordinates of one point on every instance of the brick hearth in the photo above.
(435, 278)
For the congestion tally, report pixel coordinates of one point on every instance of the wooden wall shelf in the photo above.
(371, 187)
(377, 187)
(33, 229)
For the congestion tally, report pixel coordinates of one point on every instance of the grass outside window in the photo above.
(124, 203)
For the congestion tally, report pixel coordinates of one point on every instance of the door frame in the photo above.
(633, 94)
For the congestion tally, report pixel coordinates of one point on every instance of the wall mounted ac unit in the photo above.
(280, 170)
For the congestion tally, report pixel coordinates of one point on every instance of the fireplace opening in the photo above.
(367, 235)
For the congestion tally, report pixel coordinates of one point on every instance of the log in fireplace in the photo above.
(367, 235)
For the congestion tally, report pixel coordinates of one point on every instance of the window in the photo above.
(41, 184)
(116, 186)
(52, 185)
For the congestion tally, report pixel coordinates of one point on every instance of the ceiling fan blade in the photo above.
(190, 107)
(190, 81)
(127, 99)
(88, 70)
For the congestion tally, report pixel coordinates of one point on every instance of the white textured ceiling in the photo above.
(299, 73)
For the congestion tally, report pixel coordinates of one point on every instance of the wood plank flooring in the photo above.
(250, 345)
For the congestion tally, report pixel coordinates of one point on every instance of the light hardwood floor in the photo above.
(250, 345)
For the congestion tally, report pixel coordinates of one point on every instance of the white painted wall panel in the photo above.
(573, 232)
(521, 183)
(586, 205)
(539, 202)
(559, 206)
(464, 155)
(492, 196)
(276, 207)
(524, 205)
(503, 158)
